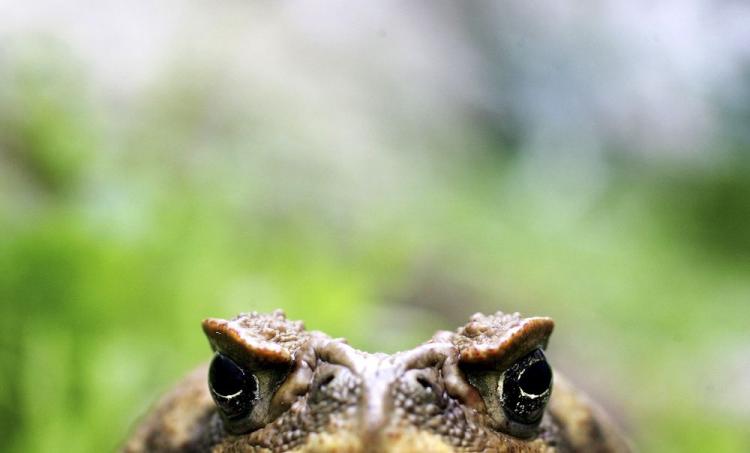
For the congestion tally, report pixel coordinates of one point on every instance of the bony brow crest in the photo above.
(500, 339)
(254, 339)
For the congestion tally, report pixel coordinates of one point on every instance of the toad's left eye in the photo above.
(525, 388)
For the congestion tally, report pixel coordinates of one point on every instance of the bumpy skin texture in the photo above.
(330, 397)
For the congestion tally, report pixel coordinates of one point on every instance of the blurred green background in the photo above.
(380, 173)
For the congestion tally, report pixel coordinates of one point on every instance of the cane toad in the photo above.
(274, 387)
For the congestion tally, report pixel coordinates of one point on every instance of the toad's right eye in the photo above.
(234, 389)
(526, 387)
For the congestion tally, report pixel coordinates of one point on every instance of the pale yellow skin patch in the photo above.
(419, 441)
(340, 442)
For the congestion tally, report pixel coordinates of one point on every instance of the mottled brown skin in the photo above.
(329, 397)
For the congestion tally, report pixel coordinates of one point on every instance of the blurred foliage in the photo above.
(118, 235)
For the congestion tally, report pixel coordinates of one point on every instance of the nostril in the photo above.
(325, 380)
(424, 382)
(321, 390)
(423, 388)
(333, 384)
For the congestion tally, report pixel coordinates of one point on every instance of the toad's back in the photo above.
(274, 387)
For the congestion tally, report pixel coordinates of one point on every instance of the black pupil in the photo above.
(233, 388)
(226, 377)
(536, 378)
(526, 388)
